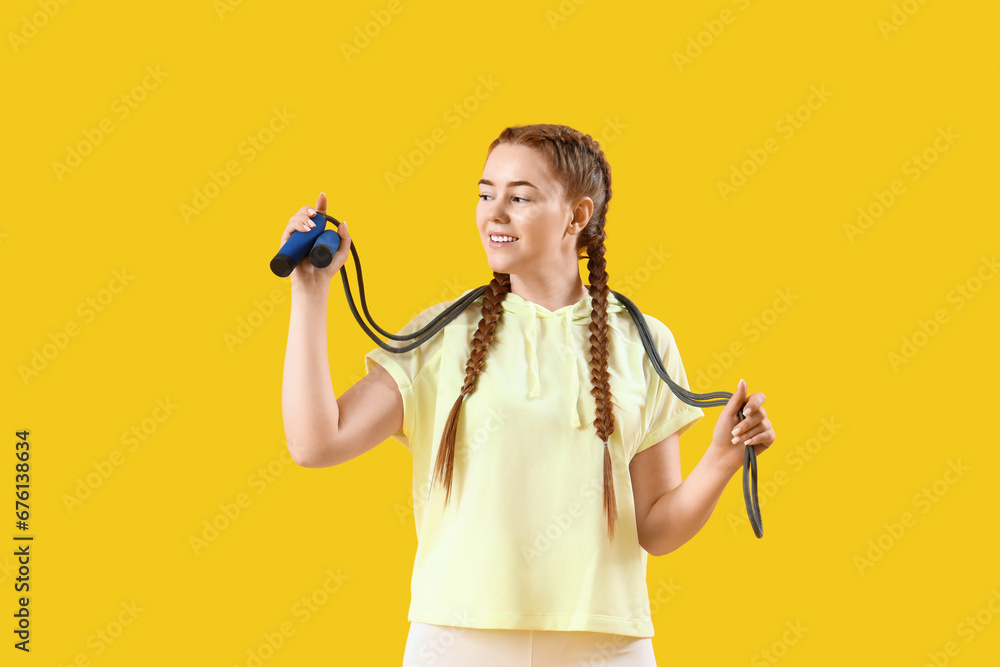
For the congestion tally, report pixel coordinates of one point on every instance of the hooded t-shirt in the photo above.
(523, 542)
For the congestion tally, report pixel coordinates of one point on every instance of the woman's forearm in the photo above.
(308, 404)
(680, 513)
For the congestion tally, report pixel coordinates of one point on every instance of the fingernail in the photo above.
(311, 212)
(323, 193)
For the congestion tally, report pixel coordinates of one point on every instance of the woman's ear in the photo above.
(582, 210)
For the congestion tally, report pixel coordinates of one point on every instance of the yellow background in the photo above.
(895, 74)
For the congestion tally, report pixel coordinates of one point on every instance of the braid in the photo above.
(604, 422)
(492, 311)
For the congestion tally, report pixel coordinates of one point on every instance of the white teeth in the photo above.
(501, 239)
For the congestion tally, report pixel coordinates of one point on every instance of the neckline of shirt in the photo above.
(566, 317)
(578, 312)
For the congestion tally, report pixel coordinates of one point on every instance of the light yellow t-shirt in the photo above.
(523, 543)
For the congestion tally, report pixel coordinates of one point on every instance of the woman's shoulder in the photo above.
(427, 314)
(629, 330)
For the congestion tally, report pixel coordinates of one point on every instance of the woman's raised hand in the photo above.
(755, 428)
(305, 274)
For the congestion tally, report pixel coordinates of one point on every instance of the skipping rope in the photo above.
(321, 243)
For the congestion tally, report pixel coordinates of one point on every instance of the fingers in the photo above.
(756, 400)
(742, 431)
(747, 425)
(736, 400)
(755, 429)
(301, 222)
(307, 212)
(306, 219)
(763, 440)
(755, 435)
(345, 237)
(297, 223)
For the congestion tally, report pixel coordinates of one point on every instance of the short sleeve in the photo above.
(406, 370)
(665, 413)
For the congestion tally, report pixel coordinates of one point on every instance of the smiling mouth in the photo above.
(500, 240)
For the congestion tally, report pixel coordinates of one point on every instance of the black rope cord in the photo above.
(712, 399)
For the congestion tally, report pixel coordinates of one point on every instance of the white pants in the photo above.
(430, 645)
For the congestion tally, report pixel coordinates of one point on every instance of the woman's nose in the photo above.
(496, 212)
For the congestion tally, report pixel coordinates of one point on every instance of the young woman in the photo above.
(546, 462)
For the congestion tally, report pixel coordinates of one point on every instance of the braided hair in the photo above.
(578, 161)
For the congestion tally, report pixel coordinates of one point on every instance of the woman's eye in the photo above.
(482, 196)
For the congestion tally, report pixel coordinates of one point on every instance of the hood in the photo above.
(578, 363)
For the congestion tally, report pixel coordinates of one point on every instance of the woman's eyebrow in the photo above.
(510, 184)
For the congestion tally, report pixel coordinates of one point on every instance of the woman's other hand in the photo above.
(754, 431)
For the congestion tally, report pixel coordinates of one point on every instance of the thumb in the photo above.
(321, 202)
(736, 401)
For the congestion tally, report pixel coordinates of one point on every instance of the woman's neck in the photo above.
(551, 295)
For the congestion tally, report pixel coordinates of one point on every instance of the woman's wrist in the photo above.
(719, 464)
(310, 290)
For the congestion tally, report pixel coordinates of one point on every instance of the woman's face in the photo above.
(520, 198)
